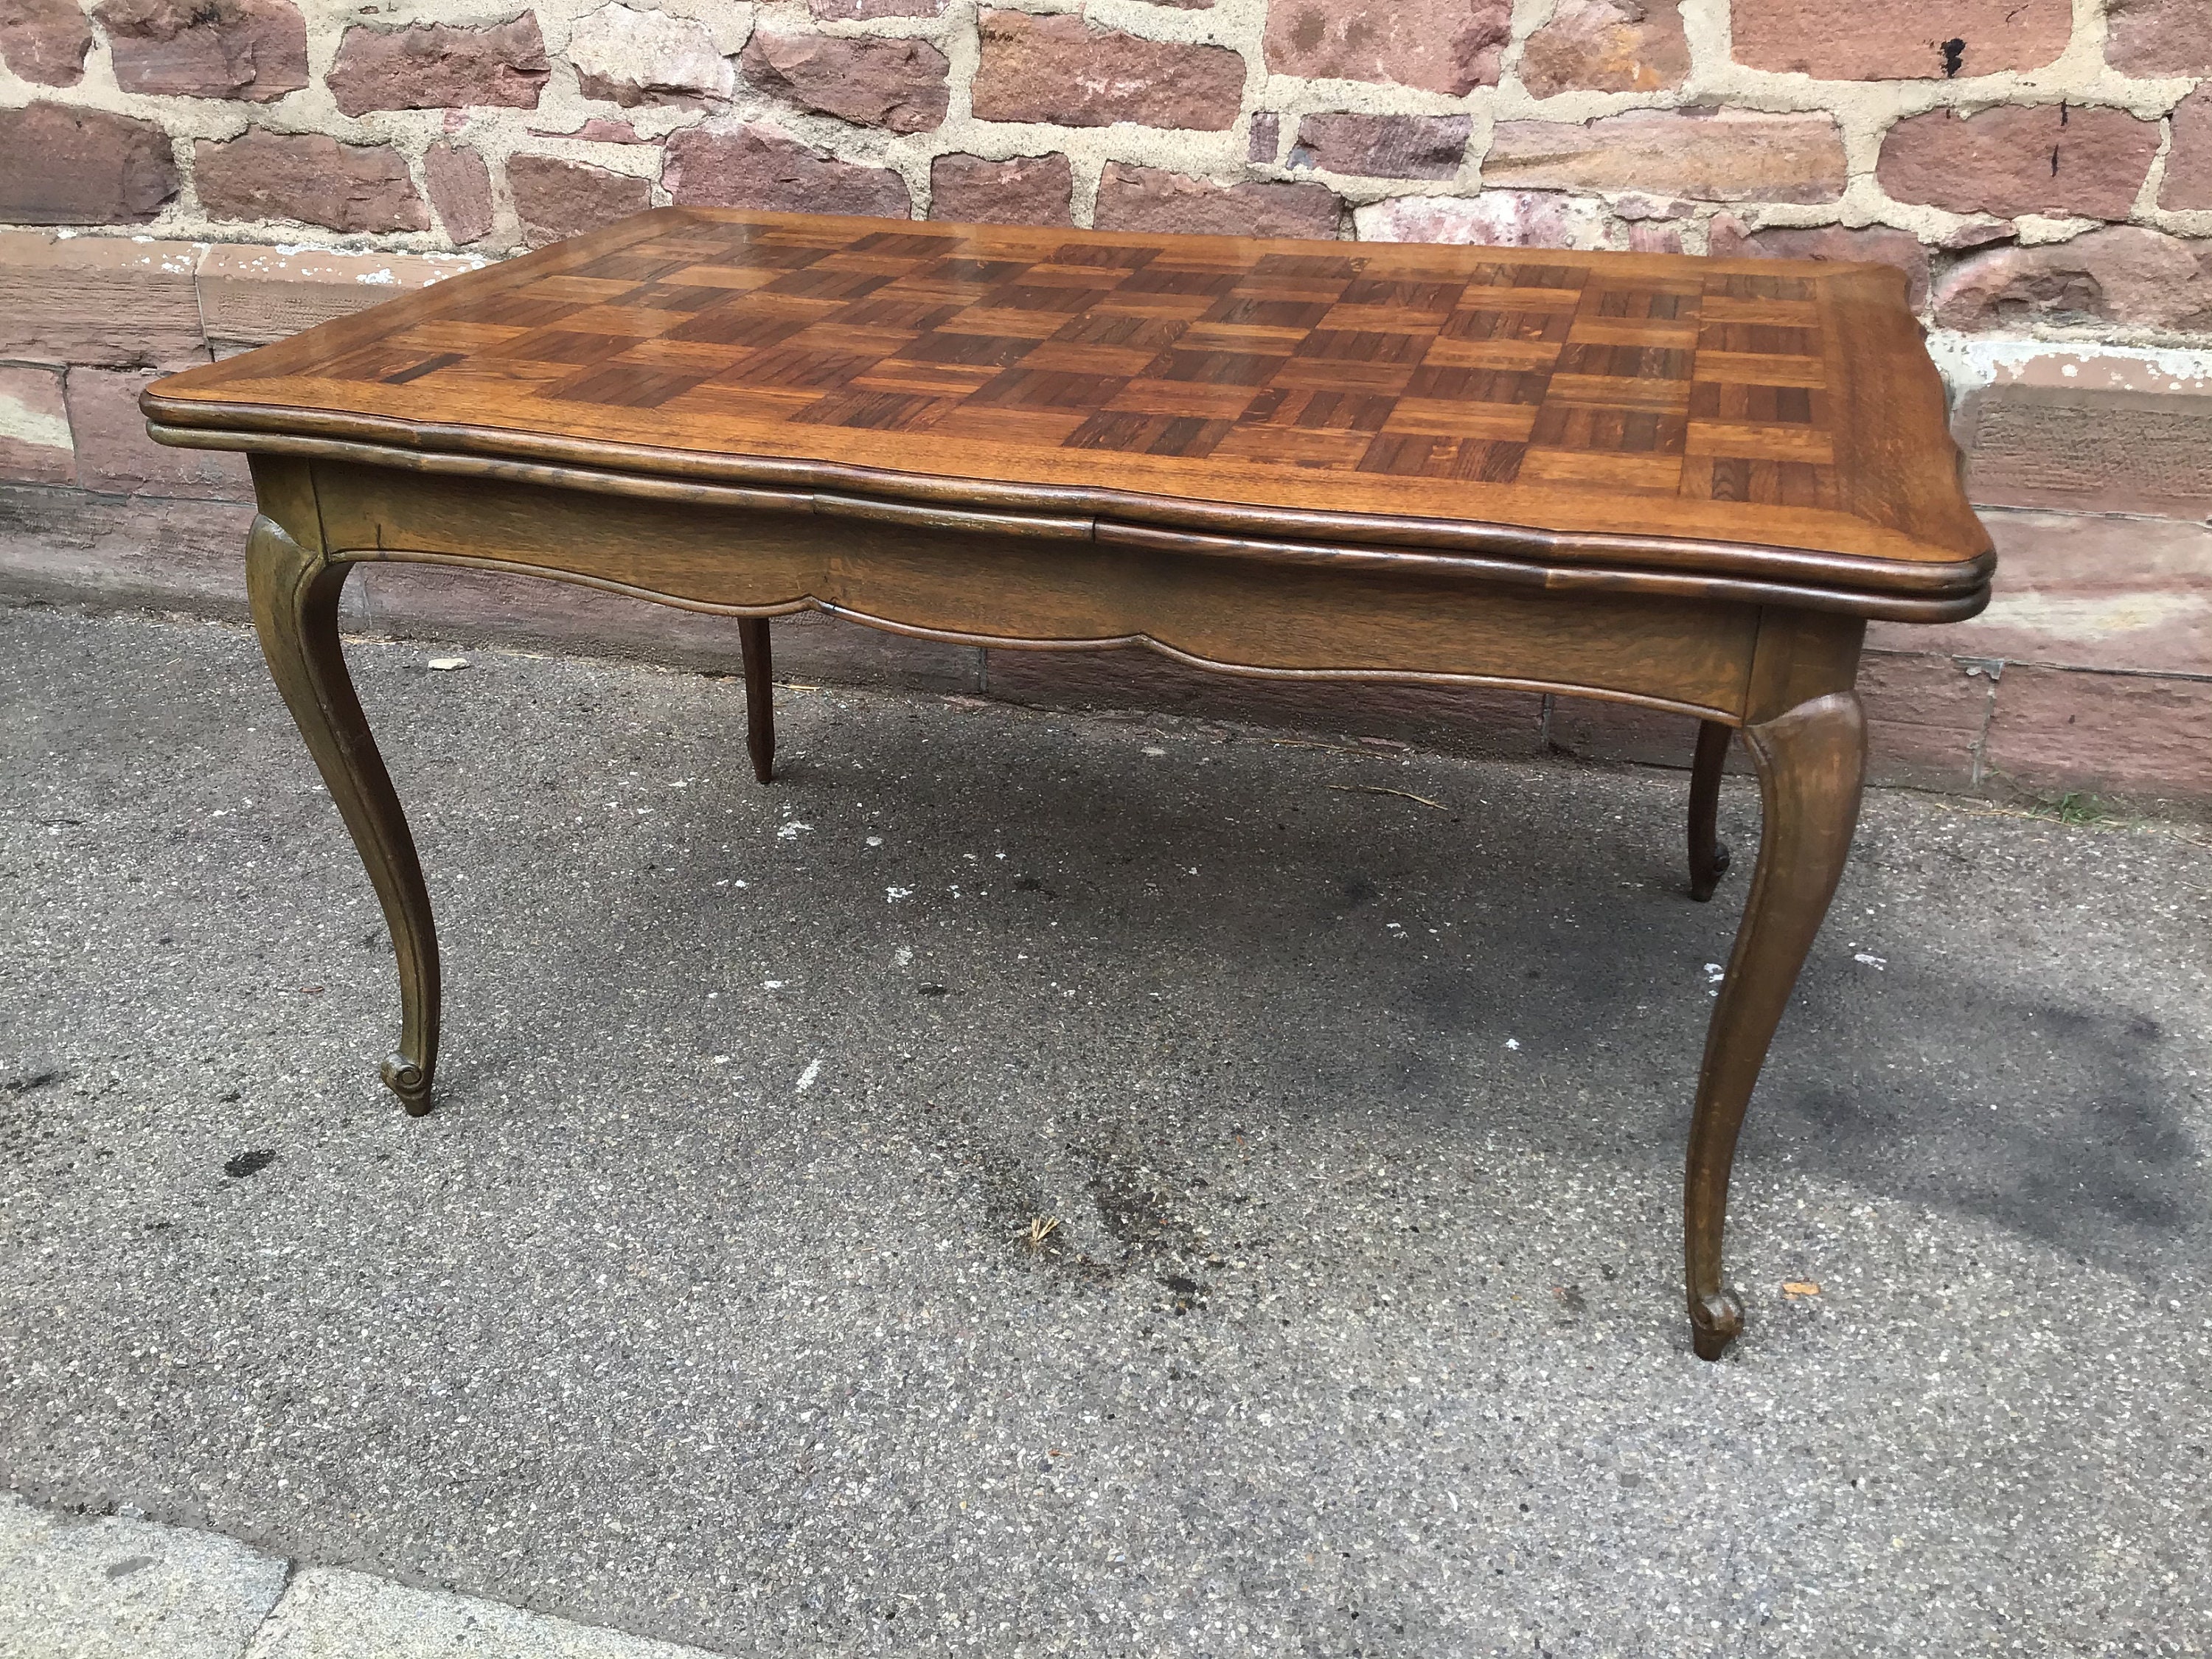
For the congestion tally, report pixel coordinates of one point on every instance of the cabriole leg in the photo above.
(760, 696)
(1709, 859)
(1811, 763)
(295, 606)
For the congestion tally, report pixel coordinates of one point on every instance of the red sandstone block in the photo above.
(1449, 46)
(113, 302)
(2050, 158)
(35, 429)
(1152, 198)
(1655, 236)
(2157, 37)
(437, 65)
(460, 189)
(2188, 182)
(1900, 39)
(2125, 734)
(758, 167)
(1061, 70)
(308, 179)
(2122, 274)
(556, 199)
(123, 550)
(1493, 218)
(1382, 146)
(115, 456)
(2087, 591)
(1028, 190)
(70, 166)
(1266, 138)
(1926, 717)
(44, 41)
(2076, 450)
(893, 82)
(1728, 155)
(250, 296)
(250, 49)
(1607, 45)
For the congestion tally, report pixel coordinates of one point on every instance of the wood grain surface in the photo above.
(1647, 410)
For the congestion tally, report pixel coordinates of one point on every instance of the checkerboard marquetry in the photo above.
(1569, 390)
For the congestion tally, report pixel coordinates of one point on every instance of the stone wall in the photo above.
(190, 178)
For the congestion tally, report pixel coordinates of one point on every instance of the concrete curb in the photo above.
(114, 1586)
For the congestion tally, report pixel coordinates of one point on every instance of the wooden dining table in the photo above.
(1681, 483)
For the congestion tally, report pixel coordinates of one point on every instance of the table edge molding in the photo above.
(619, 468)
(1506, 555)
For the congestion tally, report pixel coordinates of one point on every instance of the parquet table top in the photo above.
(1693, 403)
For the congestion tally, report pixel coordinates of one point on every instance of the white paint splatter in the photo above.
(1968, 362)
(806, 1077)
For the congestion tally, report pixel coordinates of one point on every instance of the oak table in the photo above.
(1677, 482)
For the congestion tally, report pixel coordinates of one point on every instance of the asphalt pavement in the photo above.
(1033, 1184)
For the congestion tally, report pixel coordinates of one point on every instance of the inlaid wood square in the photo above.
(1606, 393)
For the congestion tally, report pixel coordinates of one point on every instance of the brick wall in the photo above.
(188, 179)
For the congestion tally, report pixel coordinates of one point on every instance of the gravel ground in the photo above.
(706, 1305)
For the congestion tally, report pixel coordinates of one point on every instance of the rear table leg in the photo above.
(760, 696)
(1708, 858)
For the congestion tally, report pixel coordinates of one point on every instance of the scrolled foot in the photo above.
(1708, 858)
(1715, 1322)
(409, 1082)
(1703, 882)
